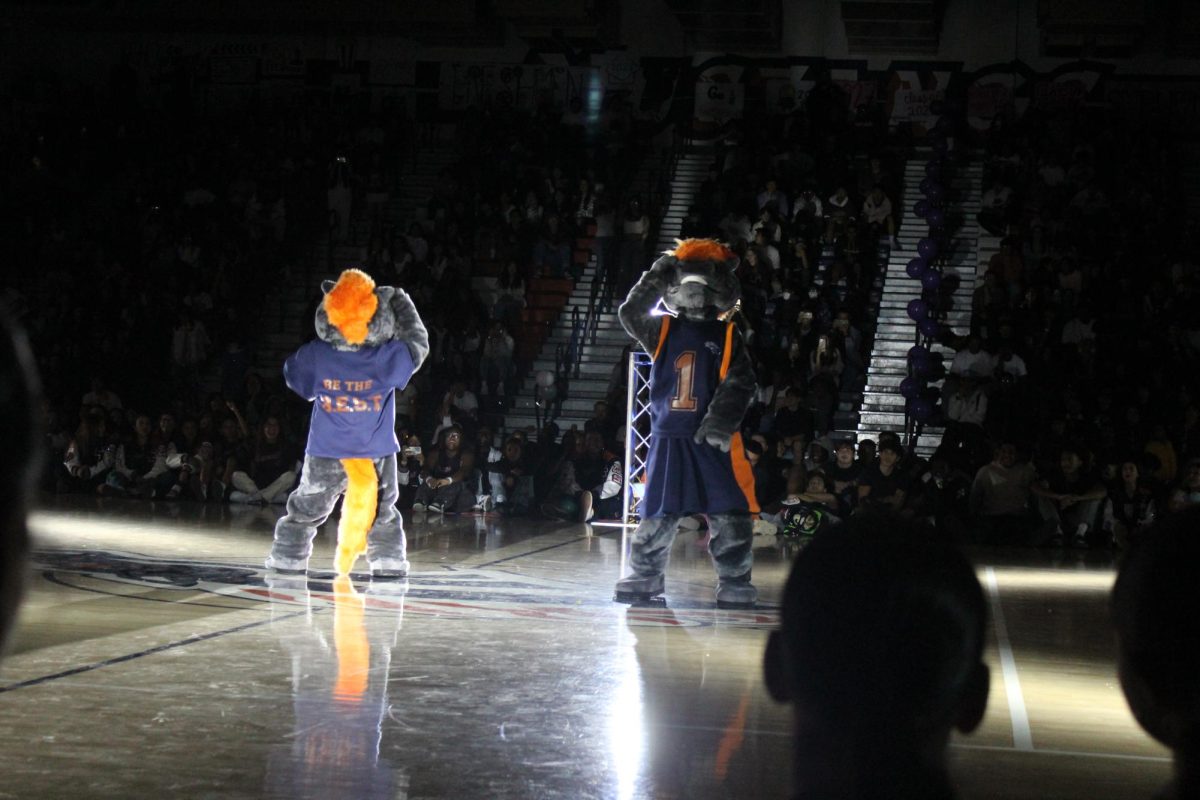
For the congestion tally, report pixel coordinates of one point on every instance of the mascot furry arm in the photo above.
(696, 281)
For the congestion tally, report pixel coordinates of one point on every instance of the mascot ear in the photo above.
(327, 286)
(732, 264)
(385, 294)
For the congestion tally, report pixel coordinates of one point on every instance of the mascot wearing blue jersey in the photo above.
(370, 340)
(701, 383)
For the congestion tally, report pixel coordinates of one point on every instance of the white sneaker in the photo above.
(240, 497)
(437, 508)
(486, 503)
(418, 507)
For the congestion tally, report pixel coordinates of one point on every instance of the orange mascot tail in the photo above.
(350, 642)
(358, 512)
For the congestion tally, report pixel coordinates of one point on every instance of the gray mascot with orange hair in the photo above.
(370, 340)
(701, 382)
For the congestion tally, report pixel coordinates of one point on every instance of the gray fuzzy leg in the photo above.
(651, 545)
(730, 540)
(308, 506)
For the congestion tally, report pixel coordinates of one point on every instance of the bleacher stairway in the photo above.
(883, 407)
(600, 353)
(690, 172)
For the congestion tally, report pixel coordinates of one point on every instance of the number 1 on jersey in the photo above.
(685, 378)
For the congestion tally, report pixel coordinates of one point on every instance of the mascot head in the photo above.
(355, 312)
(700, 279)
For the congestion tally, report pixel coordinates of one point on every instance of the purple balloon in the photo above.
(926, 184)
(916, 268)
(929, 328)
(920, 409)
(931, 280)
(921, 208)
(919, 352)
(936, 218)
(918, 310)
(935, 193)
(933, 169)
(910, 388)
(927, 248)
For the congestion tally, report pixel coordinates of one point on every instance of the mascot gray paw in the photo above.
(706, 434)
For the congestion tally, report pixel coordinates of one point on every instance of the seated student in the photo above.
(811, 512)
(769, 481)
(566, 499)
(601, 475)
(511, 480)
(1156, 613)
(1069, 498)
(409, 467)
(844, 472)
(1131, 505)
(1000, 497)
(446, 480)
(883, 483)
(270, 470)
(880, 654)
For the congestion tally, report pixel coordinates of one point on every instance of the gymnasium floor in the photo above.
(152, 658)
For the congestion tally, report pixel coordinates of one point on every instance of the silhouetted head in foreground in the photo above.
(1156, 611)
(879, 652)
(18, 432)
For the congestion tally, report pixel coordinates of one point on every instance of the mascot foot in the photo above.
(287, 566)
(389, 569)
(284, 582)
(735, 593)
(639, 588)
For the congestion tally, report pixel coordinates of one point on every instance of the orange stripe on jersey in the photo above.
(727, 356)
(662, 336)
(742, 471)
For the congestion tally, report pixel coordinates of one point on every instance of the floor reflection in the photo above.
(339, 689)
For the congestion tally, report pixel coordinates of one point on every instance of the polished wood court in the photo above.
(154, 657)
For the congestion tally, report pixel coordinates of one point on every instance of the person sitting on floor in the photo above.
(447, 485)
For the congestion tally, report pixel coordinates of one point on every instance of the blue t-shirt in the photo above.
(353, 396)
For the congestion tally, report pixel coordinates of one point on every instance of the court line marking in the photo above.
(529, 553)
(1022, 736)
(108, 662)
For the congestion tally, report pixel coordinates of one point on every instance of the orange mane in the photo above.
(351, 304)
(702, 250)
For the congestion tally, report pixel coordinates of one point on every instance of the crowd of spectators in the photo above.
(1069, 408)
(149, 240)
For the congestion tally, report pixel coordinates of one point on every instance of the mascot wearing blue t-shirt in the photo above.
(701, 382)
(370, 340)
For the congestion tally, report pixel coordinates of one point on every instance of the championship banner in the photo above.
(987, 98)
(915, 106)
(720, 95)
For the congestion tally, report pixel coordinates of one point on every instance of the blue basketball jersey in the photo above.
(688, 366)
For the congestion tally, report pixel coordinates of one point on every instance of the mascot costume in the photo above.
(701, 382)
(370, 341)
